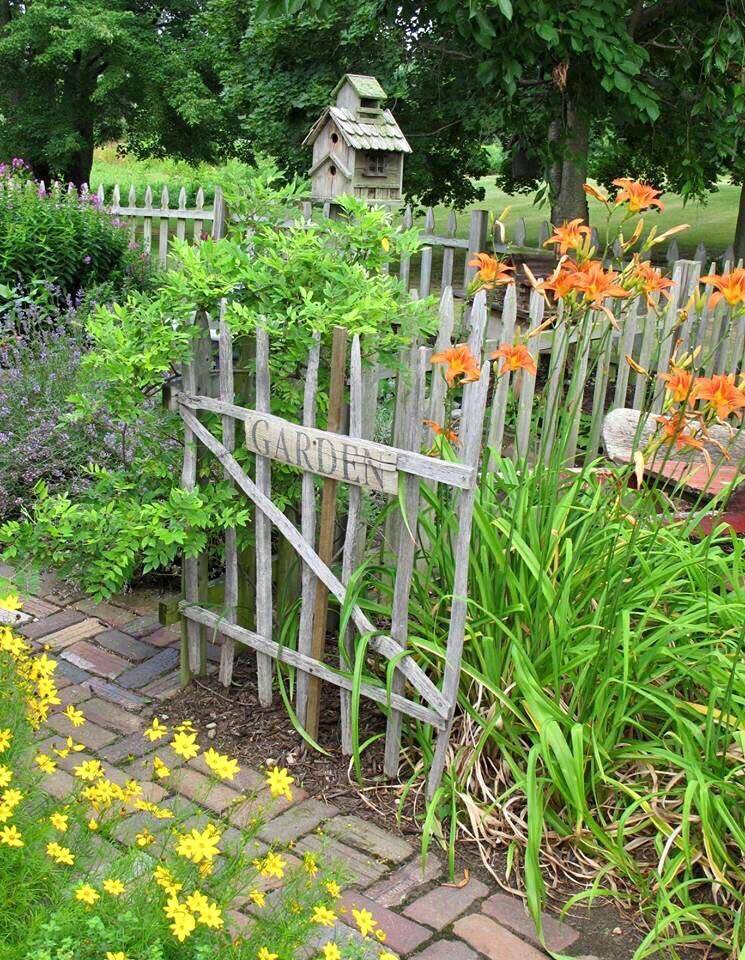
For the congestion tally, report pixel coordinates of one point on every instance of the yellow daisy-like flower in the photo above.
(199, 845)
(119, 955)
(258, 897)
(310, 863)
(60, 854)
(380, 935)
(331, 951)
(11, 797)
(6, 812)
(45, 763)
(5, 737)
(279, 782)
(271, 866)
(11, 836)
(89, 770)
(164, 878)
(207, 911)
(222, 766)
(265, 954)
(6, 775)
(75, 716)
(59, 821)
(323, 916)
(365, 921)
(144, 838)
(93, 824)
(333, 889)
(160, 769)
(182, 920)
(156, 731)
(85, 893)
(185, 745)
(114, 887)
(387, 955)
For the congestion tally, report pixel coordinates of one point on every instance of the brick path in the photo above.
(118, 661)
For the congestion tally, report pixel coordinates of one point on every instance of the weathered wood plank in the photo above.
(495, 435)
(227, 393)
(527, 387)
(263, 527)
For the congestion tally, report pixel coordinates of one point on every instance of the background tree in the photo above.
(78, 73)
(277, 75)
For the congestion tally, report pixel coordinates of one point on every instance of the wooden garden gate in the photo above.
(360, 464)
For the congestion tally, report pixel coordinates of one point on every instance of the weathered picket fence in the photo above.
(366, 467)
(442, 262)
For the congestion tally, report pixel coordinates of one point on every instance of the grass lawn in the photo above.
(711, 223)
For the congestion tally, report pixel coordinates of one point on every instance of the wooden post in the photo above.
(326, 526)
(219, 215)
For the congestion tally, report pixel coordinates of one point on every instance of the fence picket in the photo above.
(405, 265)
(199, 224)
(527, 387)
(163, 230)
(501, 391)
(147, 223)
(629, 329)
(181, 222)
(448, 252)
(263, 527)
(230, 602)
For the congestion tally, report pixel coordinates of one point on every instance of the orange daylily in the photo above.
(439, 431)
(674, 430)
(639, 196)
(560, 283)
(460, 363)
(568, 236)
(597, 284)
(491, 272)
(730, 287)
(721, 394)
(648, 281)
(514, 357)
(679, 384)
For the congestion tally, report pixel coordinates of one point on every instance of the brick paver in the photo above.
(118, 663)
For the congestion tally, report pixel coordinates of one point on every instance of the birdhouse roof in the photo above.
(362, 85)
(370, 131)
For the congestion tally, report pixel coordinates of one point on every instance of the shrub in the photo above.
(62, 237)
(74, 887)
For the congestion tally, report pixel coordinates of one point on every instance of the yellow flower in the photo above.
(144, 839)
(257, 897)
(164, 878)
(114, 887)
(119, 955)
(160, 769)
(387, 955)
(279, 782)
(93, 824)
(198, 846)
(271, 866)
(11, 798)
(183, 922)
(331, 952)
(45, 763)
(6, 775)
(323, 916)
(310, 863)
(6, 812)
(222, 766)
(380, 935)
(265, 954)
(333, 889)
(11, 602)
(11, 837)
(89, 770)
(59, 821)
(75, 716)
(60, 854)
(156, 731)
(208, 912)
(365, 921)
(85, 893)
(185, 745)
(5, 737)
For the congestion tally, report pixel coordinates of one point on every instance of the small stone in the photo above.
(211, 734)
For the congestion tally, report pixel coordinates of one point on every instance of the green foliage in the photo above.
(61, 238)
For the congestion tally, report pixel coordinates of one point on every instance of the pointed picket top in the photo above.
(149, 198)
(729, 255)
(307, 211)
(700, 254)
(71, 187)
(101, 194)
(200, 199)
(521, 231)
(132, 198)
(617, 248)
(407, 219)
(544, 232)
(673, 254)
(164, 198)
(429, 220)
(452, 224)
(594, 238)
(116, 199)
(182, 199)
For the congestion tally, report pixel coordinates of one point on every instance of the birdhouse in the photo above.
(358, 148)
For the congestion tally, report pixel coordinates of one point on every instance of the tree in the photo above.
(563, 71)
(277, 74)
(81, 72)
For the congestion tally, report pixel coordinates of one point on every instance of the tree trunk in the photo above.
(569, 140)
(740, 228)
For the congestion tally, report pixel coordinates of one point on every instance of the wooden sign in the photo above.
(320, 452)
